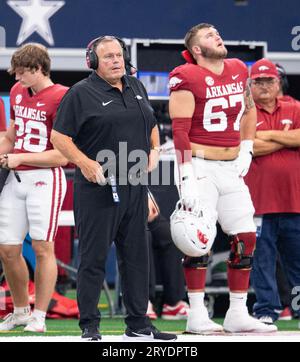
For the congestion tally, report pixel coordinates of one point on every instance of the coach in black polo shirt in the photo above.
(102, 112)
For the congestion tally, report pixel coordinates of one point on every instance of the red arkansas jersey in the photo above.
(2, 116)
(274, 179)
(34, 116)
(219, 101)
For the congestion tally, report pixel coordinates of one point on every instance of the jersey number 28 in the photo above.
(25, 136)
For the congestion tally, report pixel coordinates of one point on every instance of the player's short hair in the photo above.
(31, 56)
(190, 35)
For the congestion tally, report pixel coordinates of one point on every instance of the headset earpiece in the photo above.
(91, 56)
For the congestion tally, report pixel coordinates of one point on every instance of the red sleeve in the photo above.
(179, 79)
(59, 96)
(244, 71)
(2, 116)
(181, 128)
(12, 98)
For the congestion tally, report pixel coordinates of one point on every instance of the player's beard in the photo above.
(212, 53)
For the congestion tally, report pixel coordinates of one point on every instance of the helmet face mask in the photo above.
(193, 232)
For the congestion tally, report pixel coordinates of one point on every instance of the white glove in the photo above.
(188, 186)
(244, 159)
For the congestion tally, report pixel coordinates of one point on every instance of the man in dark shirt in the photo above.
(108, 115)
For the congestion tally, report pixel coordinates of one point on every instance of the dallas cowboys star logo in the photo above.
(35, 15)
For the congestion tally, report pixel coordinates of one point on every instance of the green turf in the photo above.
(116, 326)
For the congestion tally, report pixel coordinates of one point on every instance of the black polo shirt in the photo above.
(98, 116)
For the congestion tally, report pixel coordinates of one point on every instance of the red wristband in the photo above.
(181, 128)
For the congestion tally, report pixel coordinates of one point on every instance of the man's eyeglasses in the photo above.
(264, 82)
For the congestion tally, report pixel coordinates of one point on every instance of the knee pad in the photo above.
(199, 262)
(242, 248)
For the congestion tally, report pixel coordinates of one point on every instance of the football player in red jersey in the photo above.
(2, 119)
(274, 180)
(214, 122)
(32, 197)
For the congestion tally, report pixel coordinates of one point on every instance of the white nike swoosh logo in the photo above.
(235, 76)
(40, 104)
(144, 335)
(259, 123)
(104, 104)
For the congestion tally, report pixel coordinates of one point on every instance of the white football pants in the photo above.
(225, 193)
(31, 205)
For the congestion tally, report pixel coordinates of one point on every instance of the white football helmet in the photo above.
(193, 232)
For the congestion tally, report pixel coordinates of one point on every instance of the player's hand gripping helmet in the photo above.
(193, 232)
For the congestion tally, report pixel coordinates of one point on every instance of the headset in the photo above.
(283, 78)
(92, 58)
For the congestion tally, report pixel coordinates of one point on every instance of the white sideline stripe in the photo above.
(285, 336)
